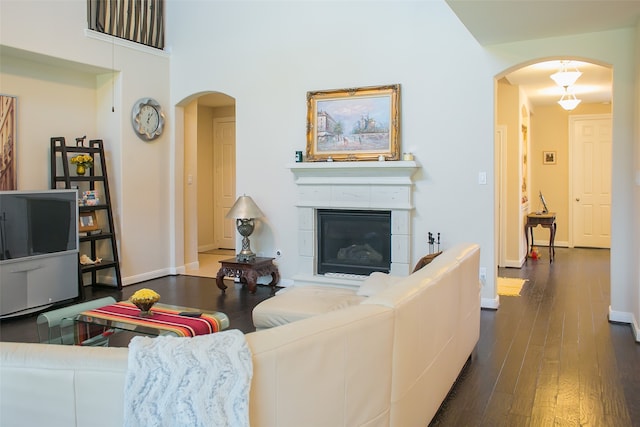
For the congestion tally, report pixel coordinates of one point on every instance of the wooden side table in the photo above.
(546, 220)
(248, 272)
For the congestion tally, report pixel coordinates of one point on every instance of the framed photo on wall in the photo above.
(549, 157)
(8, 163)
(353, 124)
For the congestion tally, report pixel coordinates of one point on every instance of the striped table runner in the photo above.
(163, 319)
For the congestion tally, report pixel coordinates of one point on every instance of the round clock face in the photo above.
(147, 119)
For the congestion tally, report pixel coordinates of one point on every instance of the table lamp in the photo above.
(244, 211)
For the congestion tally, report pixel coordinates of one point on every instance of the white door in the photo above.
(224, 181)
(501, 191)
(590, 139)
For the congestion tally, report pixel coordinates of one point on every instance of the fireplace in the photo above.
(371, 187)
(353, 241)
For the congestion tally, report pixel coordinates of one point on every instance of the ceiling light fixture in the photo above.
(568, 101)
(564, 77)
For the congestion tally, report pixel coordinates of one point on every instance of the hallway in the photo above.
(550, 356)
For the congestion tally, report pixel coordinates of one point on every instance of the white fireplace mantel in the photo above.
(384, 185)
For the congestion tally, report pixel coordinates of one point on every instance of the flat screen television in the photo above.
(37, 223)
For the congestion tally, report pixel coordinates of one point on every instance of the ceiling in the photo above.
(593, 86)
(501, 21)
(215, 100)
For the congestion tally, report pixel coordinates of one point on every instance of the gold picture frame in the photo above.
(354, 124)
(87, 221)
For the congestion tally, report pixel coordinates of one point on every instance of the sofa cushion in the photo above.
(375, 283)
(300, 302)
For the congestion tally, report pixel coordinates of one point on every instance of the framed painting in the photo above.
(8, 163)
(549, 157)
(354, 124)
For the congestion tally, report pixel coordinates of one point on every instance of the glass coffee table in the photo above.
(114, 325)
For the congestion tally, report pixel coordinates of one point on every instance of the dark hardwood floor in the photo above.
(546, 358)
(550, 357)
(186, 291)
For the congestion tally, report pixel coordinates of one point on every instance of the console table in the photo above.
(248, 272)
(546, 220)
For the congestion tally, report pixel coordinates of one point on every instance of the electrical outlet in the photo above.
(483, 275)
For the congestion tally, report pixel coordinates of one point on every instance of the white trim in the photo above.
(626, 317)
(131, 280)
(501, 181)
(97, 35)
(491, 304)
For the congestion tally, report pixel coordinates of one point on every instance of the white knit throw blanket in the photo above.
(190, 382)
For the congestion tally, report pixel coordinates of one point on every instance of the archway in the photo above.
(206, 198)
(530, 123)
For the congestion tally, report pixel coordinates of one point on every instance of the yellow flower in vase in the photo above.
(82, 162)
(144, 299)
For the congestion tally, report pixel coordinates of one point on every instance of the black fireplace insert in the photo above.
(353, 241)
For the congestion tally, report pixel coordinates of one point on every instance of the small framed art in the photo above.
(354, 124)
(87, 221)
(549, 157)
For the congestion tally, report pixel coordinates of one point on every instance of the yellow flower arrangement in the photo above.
(83, 160)
(145, 296)
(144, 299)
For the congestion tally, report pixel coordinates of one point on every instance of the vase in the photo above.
(145, 308)
(80, 170)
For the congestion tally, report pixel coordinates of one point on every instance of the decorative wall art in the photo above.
(8, 164)
(549, 157)
(354, 124)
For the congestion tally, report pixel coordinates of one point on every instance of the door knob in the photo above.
(577, 199)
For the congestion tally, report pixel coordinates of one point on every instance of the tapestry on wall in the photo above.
(8, 166)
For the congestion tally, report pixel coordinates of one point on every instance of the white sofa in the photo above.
(387, 361)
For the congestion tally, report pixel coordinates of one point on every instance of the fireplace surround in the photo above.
(354, 186)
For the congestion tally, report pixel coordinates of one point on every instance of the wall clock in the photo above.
(147, 119)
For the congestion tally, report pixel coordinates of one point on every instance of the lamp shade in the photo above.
(244, 207)
(564, 77)
(569, 101)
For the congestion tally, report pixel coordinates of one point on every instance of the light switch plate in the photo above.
(482, 178)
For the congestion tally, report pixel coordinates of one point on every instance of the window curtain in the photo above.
(141, 21)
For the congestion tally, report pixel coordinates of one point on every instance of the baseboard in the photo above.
(626, 317)
(205, 248)
(513, 263)
(192, 266)
(490, 303)
(131, 280)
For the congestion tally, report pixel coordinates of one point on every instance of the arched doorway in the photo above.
(209, 177)
(535, 150)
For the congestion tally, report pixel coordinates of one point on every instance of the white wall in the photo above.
(267, 55)
(67, 84)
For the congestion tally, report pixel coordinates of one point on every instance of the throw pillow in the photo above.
(425, 260)
(375, 283)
